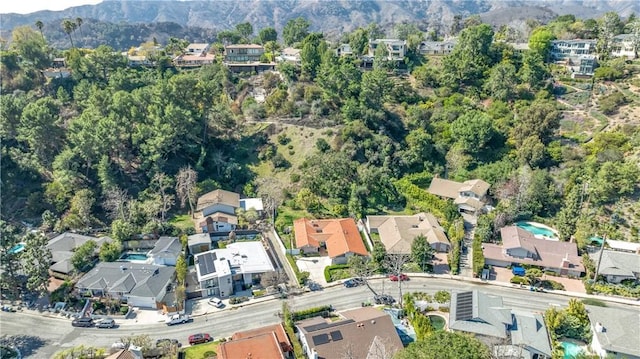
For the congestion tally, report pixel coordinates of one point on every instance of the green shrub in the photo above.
(518, 280)
(444, 309)
(311, 312)
(124, 310)
(329, 276)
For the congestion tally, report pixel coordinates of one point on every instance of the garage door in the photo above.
(142, 302)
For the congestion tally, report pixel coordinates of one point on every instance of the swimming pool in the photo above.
(437, 321)
(16, 249)
(537, 229)
(571, 350)
(130, 257)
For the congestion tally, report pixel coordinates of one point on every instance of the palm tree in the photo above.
(79, 23)
(40, 25)
(68, 26)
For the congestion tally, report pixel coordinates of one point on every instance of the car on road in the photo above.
(199, 338)
(177, 319)
(216, 302)
(353, 282)
(384, 299)
(313, 286)
(402, 277)
(82, 322)
(106, 323)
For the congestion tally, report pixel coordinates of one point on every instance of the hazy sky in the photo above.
(27, 6)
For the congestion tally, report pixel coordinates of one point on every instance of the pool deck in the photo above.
(544, 226)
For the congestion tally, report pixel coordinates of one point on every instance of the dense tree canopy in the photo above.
(445, 345)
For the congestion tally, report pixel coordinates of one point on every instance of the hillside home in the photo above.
(617, 266)
(366, 333)
(579, 56)
(252, 204)
(217, 211)
(436, 47)
(615, 332)
(58, 69)
(290, 55)
(197, 49)
(246, 58)
(339, 237)
(222, 272)
(521, 247)
(623, 46)
(344, 50)
(398, 232)
(140, 285)
(62, 248)
(187, 60)
(470, 196)
(166, 251)
(510, 333)
(265, 342)
(395, 49)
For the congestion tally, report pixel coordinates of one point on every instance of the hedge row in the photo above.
(328, 269)
(311, 312)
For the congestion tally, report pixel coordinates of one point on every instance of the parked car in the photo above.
(199, 338)
(106, 323)
(168, 342)
(313, 286)
(384, 299)
(350, 283)
(177, 319)
(216, 302)
(82, 322)
(401, 277)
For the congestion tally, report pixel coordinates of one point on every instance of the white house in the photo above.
(197, 49)
(166, 251)
(623, 46)
(470, 196)
(396, 49)
(217, 210)
(222, 272)
(617, 266)
(616, 332)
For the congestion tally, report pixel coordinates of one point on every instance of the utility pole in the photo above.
(604, 240)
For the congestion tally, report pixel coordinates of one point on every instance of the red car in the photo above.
(199, 338)
(395, 278)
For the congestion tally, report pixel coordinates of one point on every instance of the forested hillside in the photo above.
(105, 147)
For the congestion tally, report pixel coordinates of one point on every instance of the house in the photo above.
(217, 211)
(577, 55)
(138, 61)
(363, 333)
(198, 243)
(521, 247)
(187, 60)
(479, 313)
(436, 47)
(166, 251)
(615, 332)
(510, 333)
(133, 352)
(344, 50)
(63, 246)
(340, 237)
(58, 69)
(470, 196)
(623, 46)
(252, 203)
(243, 53)
(617, 266)
(291, 55)
(624, 246)
(197, 49)
(139, 284)
(265, 342)
(395, 49)
(398, 232)
(222, 272)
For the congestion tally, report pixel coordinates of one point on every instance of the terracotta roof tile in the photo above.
(340, 235)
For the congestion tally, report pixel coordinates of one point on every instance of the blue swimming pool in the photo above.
(16, 249)
(571, 350)
(129, 257)
(536, 230)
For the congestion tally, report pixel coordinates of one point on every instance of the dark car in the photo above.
(82, 322)
(314, 287)
(199, 338)
(384, 299)
(350, 283)
(106, 323)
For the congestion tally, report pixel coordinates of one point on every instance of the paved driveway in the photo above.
(571, 285)
(315, 267)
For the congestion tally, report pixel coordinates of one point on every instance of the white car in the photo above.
(216, 302)
(177, 319)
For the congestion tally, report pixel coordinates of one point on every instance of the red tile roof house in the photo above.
(470, 196)
(340, 237)
(521, 247)
(270, 342)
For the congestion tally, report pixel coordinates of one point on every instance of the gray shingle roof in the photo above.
(145, 280)
(479, 313)
(166, 246)
(618, 263)
(531, 333)
(620, 329)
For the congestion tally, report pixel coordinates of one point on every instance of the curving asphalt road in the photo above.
(40, 337)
